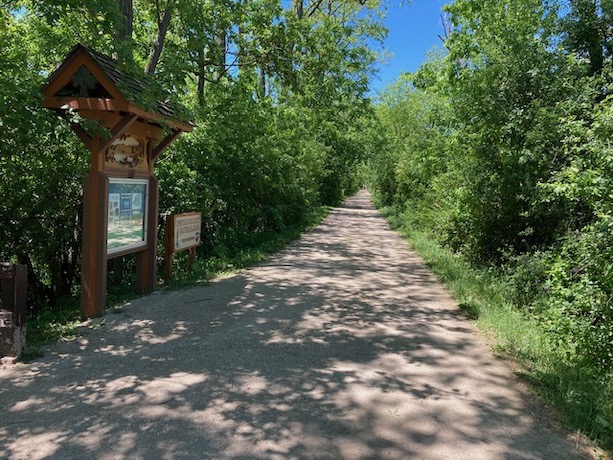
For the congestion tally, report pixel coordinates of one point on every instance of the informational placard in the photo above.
(127, 215)
(182, 233)
(187, 229)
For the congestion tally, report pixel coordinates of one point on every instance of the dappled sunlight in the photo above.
(40, 445)
(114, 350)
(342, 346)
(148, 336)
(30, 404)
(252, 384)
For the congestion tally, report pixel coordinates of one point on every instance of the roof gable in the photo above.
(80, 75)
(84, 84)
(89, 79)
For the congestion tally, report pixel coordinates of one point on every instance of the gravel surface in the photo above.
(341, 346)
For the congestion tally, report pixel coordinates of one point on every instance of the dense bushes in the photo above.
(278, 98)
(580, 269)
(247, 168)
(500, 147)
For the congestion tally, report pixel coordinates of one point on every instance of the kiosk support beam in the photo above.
(94, 263)
(119, 129)
(146, 259)
(164, 143)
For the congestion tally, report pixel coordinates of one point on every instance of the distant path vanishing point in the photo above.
(341, 346)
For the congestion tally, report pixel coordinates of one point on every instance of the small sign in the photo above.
(6, 318)
(187, 229)
(127, 152)
(182, 233)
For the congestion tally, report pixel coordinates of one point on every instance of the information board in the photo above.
(127, 215)
(187, 229)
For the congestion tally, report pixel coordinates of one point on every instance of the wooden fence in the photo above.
(13, 309)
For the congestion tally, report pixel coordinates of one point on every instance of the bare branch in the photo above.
(154, 58)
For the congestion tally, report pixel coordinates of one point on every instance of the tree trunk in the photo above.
(124, 31)
(154, 58)
(593, 37)
(262, 83)
(588, 33)
(298, 6)
(201, 76)
(221, 59)
(292, 49)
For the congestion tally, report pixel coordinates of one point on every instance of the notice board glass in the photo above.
(126, 224)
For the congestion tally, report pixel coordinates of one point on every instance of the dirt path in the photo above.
(342, 346)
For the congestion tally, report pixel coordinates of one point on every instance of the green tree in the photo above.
(39, 160)
(506, 80)
(279, 101)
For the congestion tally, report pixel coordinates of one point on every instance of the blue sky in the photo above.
(413, 30)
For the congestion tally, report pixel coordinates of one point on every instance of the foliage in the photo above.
(498, 148)
(240, 171)
(581, 393)
(580, 277)
(39, 210)
(279, 102)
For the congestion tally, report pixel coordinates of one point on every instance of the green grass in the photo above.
(59, 324)
(228, 261)
(581, 394)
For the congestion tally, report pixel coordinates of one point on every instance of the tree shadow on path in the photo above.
(342, 346)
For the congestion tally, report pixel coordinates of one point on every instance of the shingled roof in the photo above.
(132, 88)
(133, 85)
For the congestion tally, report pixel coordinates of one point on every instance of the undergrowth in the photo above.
(581, 392)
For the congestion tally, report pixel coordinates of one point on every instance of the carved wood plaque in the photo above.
(127, 152)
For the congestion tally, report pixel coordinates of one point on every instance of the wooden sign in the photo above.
(186, 230)
(182, 234)
(127, 152)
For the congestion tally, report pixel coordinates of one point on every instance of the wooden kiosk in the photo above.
(120, 195)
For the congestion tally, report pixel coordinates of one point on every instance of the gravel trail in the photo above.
(341, 346)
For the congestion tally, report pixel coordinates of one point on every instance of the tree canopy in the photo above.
(278, 93)
(500, 146)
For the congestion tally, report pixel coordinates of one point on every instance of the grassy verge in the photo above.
(61, 323)
(248, 255)
(582, 395)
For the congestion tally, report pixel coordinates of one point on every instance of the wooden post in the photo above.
(21, 295)
(146, 260)
(13, 296)
(168, 247)
(192, 259)
(14, 291)
(7, 286)
(94, 262)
